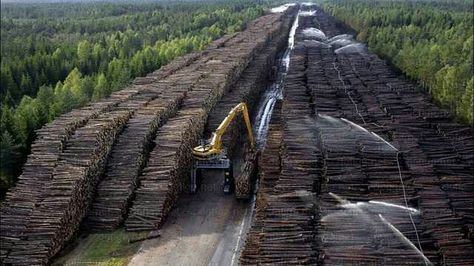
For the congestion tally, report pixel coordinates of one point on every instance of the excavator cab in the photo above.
(211, 155)
(206, 151)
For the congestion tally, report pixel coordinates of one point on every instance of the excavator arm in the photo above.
(214, 148)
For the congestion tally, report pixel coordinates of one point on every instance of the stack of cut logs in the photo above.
(57, 216)
(162, 179)
(21, 200)
(248, 172)
(127, 157)
(247, 89)
(58, 184)
(170, 161)
(28, 192)
(283, 228)
(393, 178)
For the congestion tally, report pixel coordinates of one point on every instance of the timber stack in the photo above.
(251, 84)
(51, 139)
(391, 171)
(283, 229)
(248, 172)
(170, 162)
(127, 157)
(159, 115)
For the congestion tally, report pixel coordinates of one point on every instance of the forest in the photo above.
(431, 41)
(59, 56)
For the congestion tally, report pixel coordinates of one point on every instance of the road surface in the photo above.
(204, 229)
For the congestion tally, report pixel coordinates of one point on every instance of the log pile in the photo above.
(168, 69)
(360, 170)
(283, 229)
(374, 196)
(127, 158)
(37, 171)
(162, 179)
(247, 89)
(168, 168)
(130, 152)
(269, 171)
(246, 177)
(22, 199)
(432, 158)
(391, 102)
(56, 218)
(270, 165)
(29, 216)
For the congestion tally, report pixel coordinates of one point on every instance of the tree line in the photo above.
(56, 57)
(431, 41)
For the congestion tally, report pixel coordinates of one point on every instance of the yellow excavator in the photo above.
(212, 155)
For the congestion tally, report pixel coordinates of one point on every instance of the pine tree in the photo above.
(84, 55)
(118, 74)
(101, 88)
(25, 120)
(466, 108)
(44, 100)
(7, 84)
(9, 160)
(6, 119)
(73, 84)
(25, 84)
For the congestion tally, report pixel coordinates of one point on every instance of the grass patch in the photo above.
(101, 249)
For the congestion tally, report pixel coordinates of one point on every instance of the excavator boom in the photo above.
(214, 148)
(213, 156)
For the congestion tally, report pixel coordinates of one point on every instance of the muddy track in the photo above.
(369, 170)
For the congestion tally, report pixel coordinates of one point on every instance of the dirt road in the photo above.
(204, 229)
